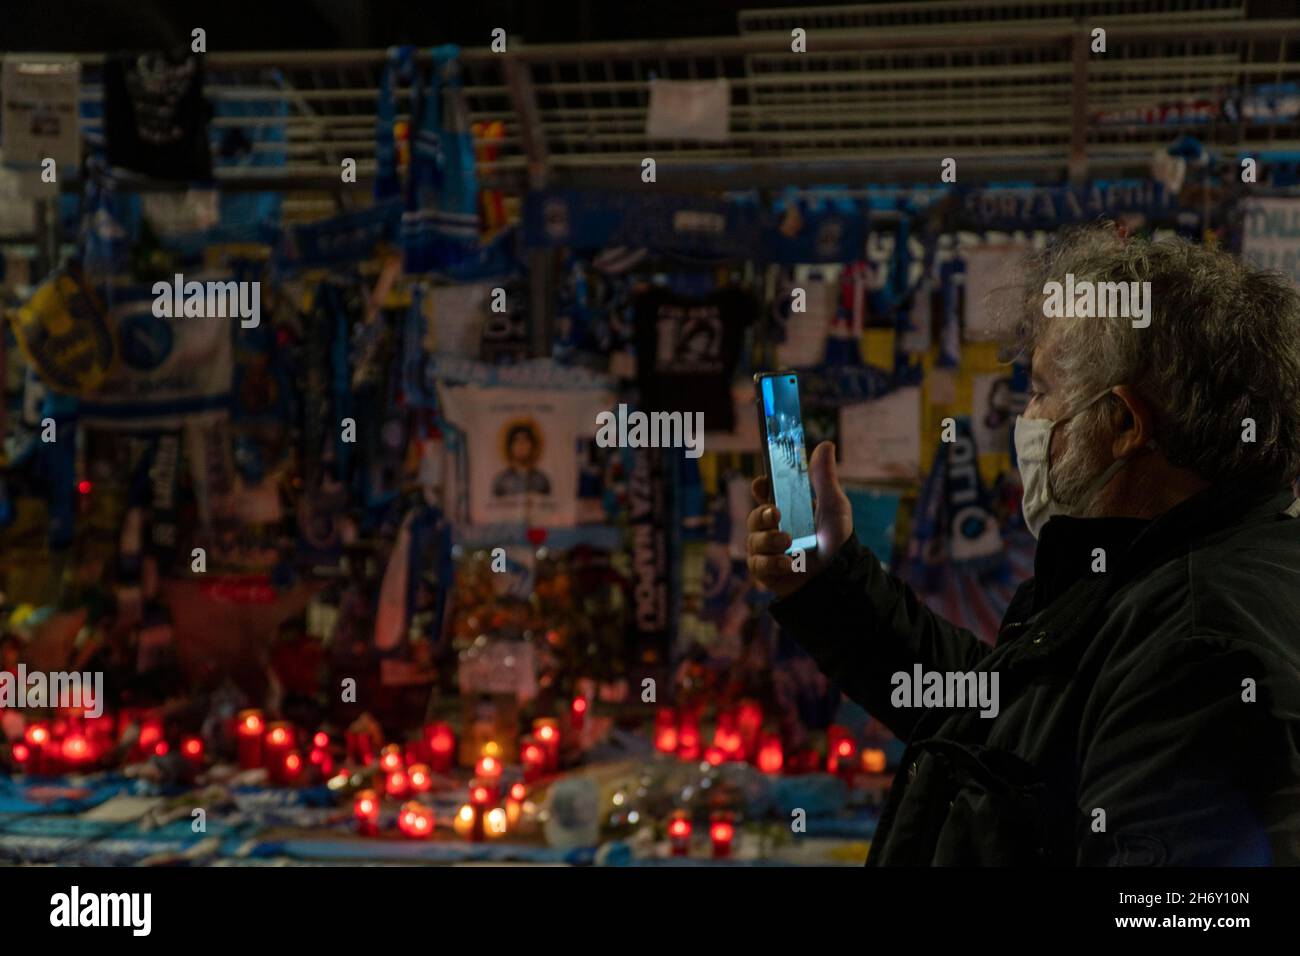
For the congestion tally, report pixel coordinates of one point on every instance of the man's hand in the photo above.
(768, 562)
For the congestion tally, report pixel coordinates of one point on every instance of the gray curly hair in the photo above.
(1223, 345)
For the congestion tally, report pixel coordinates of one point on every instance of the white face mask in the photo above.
(1033, 437)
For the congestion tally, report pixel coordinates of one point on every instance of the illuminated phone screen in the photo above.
(788, 460)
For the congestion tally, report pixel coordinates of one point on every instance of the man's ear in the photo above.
(1134, 422)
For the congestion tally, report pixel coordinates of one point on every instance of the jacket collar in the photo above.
(1066, 547)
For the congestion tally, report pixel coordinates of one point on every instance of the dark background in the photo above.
(84, 26)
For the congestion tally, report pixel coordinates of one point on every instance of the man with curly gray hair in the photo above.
(1149, 672)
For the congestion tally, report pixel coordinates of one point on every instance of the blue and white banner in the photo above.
(691, 224)
(169, 372)
(1016, 206)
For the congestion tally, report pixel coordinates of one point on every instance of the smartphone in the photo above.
(781, 426)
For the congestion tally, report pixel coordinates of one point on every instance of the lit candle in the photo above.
(749, 724)
(666, 730)
(495, 824)
(290, 767)
(465, 822)
(277, 742)
(365, 807)
(415, 820)
(192, 750)
(76, 750)
(679, 833)
(488, 771)
(722, 831)
(578, 713)
(249, 735)
(390, 758)
(418, 775)
(726, 737)
(515, 802)
(151, 734)
(688, 738)
(714, 756)
(397, 784)
(38, 739)
(841, 750)
(441, 745)
(771, 756)
(873, 760)
(533, 756)
(480, 799)
(547, 732)
(21, 753)
(322, 760)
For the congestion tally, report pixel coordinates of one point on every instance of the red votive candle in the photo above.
(578, 713)
(441, 745)
(533, 756)
(726, 737)
(391, 758)
(397, 783)
(679, 833)
(688, 738)
(419, 778)
(546, 730)
(842, 753)
(771, 755)
(415, 820)
(480, 799)
(365, 807)
(666, 730)
(76, 750)
(192, 750)
(488, 772)
(38, 738)
(515, 798)
(151, 735)
(276, 742)
(749, 724)
(722, 831)
(248, 733)
(714, 756)
(290, 767)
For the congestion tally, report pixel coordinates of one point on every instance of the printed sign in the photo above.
(39, 116)
(1271, 236)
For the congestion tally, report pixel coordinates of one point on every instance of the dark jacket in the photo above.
(1125, 691)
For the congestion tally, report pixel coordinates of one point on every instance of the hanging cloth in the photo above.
(440, 227)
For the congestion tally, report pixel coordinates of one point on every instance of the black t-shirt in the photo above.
(156, 118)
(687, 350)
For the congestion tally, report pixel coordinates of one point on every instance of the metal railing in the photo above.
(882, 94)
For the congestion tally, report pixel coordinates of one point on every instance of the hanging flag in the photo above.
(440, 228)
(63, 331)
(955, 529)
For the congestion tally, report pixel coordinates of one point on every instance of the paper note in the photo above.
(881, 439)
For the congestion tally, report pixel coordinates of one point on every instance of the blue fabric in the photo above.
(440, 225)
